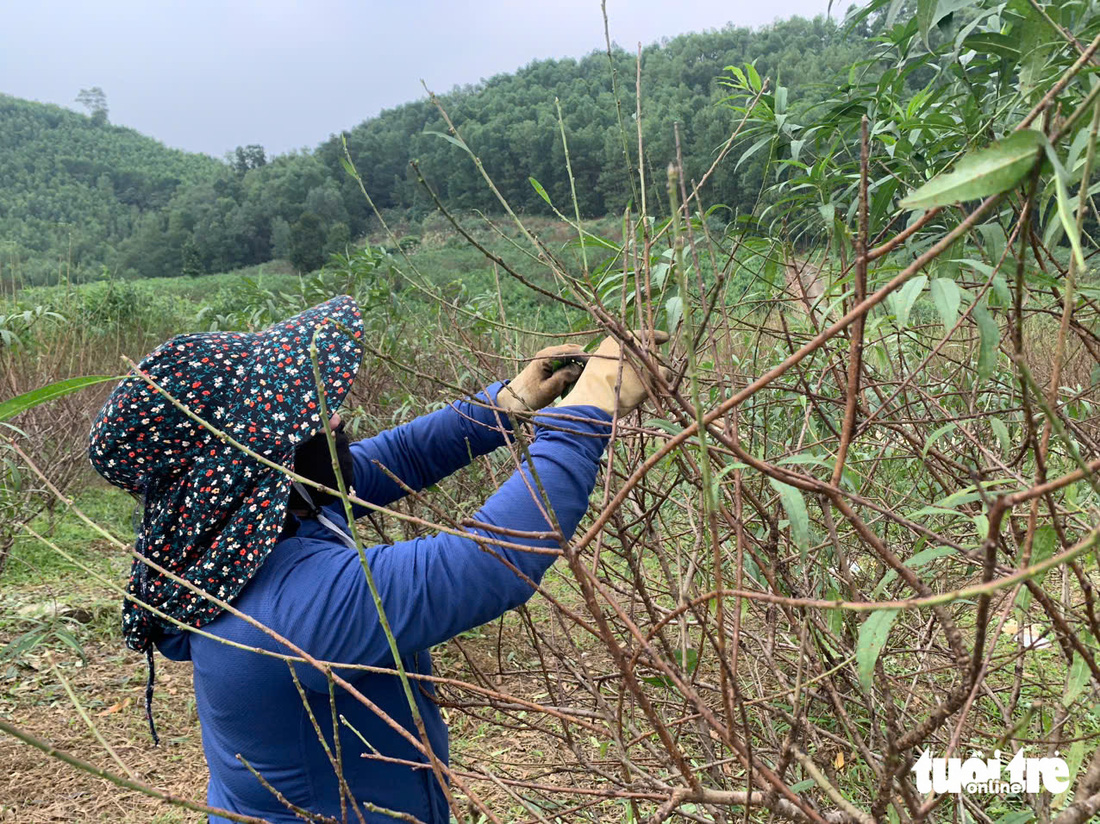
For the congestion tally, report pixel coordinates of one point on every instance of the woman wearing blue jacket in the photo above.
(223, 523)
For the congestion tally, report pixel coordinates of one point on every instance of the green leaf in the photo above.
(28, 400)
(727, 469)
(892, 13)
(24, 643)
(926, 17)
(1042, 545)
(803, 460)
(669, 427)
(1065, 205)
(686, 662)
(872, 637)
(946, 506)
(919, 559)
(988, 171)
(931, 12)
(989, 336)
(451, 139)
(538, 188)
(1073, 762)
(659, 274)
(1036, 39)
(1017, 817)
(70, 640)
(795, 507)
(1023, 598)
(1001, 431)
(757, 146)
(996, 43)
(674, 310)
(754, 77)
(993, 238)
(935, 436)
(1076, 681)
(947, 297)
(928, 555)
(738, 75)
(902, 301)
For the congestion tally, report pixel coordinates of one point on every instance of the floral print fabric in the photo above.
(213, 513)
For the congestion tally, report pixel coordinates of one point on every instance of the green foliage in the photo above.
(17, 325)
(15, 491)
(21, 403)
(42, 632)
(947, 297)
(872, 638)
(798, 516)
(31, 560)
(927, 111)
(74, 189)
(307, 243)
(91, 194)
(990, 171)
(250, 303)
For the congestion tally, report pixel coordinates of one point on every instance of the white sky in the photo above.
(207, 76)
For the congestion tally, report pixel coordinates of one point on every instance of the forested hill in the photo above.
(511, 122)
(75, 187)
(138, 208)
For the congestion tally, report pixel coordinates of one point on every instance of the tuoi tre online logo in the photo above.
(979, 775)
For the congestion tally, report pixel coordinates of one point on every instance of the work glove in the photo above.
(552, 371)
(596, 385)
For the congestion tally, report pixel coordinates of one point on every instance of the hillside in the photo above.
(74, 188)
(143, 210)
(510, 121)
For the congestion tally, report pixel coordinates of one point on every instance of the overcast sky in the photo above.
(209, 75)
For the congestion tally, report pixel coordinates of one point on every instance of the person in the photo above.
(282, 554)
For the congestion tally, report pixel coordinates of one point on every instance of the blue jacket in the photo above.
(312, 591)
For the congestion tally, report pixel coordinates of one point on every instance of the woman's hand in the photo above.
(552, 371)
(597, 383)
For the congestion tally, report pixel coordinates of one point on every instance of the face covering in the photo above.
(312, 459)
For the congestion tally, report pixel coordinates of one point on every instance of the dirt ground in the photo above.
(82, 611)
(35, 788)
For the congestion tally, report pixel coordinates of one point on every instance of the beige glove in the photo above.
(596, 385)
(549, 373)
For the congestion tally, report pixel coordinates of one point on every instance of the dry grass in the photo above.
(36, 789)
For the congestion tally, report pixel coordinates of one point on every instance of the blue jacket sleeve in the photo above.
(434, 587)
(427, 449)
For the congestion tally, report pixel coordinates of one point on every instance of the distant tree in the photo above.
(307, 243)
(248, 157)
(280, 239)
(191, 261)
(337, 238)
(95, 101)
